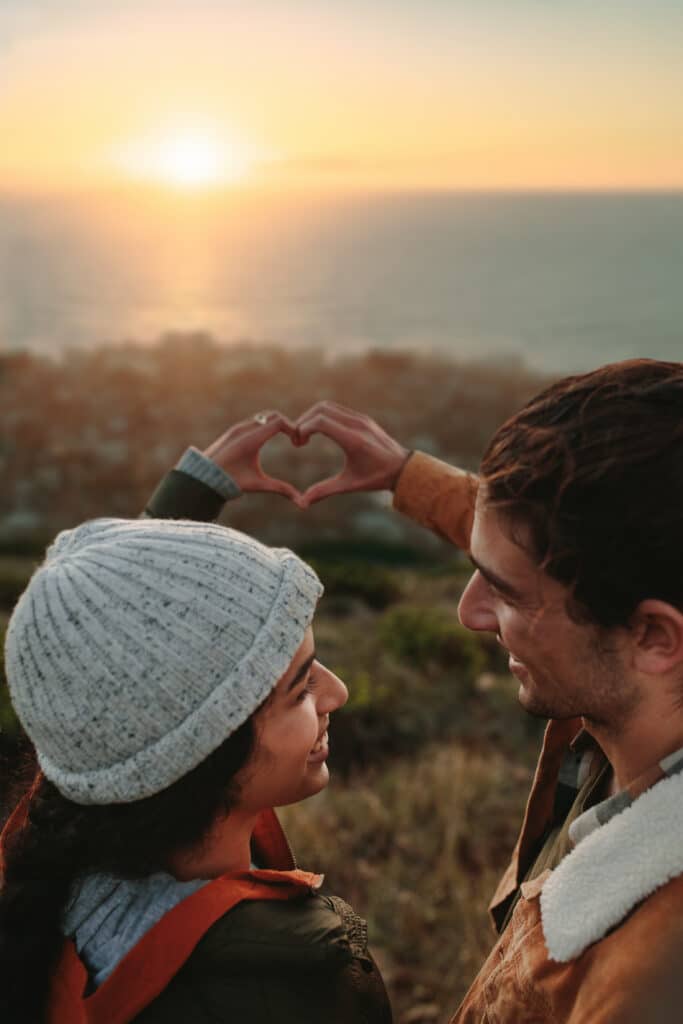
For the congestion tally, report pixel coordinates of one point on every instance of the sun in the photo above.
(193, 162)
(187, 161)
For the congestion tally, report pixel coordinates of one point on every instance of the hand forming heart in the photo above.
(372, 459)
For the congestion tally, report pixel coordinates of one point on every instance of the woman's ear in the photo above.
(656, 629)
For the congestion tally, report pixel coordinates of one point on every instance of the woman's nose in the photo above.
(333, 692)
(475, 610)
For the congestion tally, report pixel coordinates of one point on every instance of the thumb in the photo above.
(274, 486)
(324, 489)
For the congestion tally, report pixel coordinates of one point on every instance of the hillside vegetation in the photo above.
(431, 760)
(431, 757)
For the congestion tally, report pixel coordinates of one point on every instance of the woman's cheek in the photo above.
(308, 726)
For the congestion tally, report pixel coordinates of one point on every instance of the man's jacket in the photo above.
(599, 940)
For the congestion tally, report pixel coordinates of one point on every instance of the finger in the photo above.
(238, 432)
(277, 423)
(274, 486)
(344, 436)
(260, 433)
(228, 437)
(335, 411)
(257, 421)
(287, 426)
(325, 489)
(346, 411)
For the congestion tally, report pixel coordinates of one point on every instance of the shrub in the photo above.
(427, 636)
(27, 544)
(373, 585)
(14, 575)
(369, 551)
(419, 845)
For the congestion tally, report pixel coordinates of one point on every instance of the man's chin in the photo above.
(538, 708)
(529, 698)
(531, 704)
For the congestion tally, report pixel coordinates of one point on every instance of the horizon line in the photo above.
(65, 191)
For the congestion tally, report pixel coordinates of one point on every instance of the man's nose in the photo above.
(474, 609)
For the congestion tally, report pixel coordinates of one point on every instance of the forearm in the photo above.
(196, 488)
(438, 496)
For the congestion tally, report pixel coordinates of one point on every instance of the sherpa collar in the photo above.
(613, 869)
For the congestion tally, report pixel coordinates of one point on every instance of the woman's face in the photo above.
(289, 762)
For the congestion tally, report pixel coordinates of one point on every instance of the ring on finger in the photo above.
(262, 418)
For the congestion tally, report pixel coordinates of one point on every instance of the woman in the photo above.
(166, 674)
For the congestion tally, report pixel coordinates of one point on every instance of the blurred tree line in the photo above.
(90, 433)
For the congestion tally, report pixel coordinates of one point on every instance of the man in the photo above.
(574, 528)
(576, 542)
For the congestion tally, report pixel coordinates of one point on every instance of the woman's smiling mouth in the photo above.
(320, 750)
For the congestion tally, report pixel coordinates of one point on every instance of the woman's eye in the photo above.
(308, 688)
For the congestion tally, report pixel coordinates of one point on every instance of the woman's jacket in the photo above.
(260, 946)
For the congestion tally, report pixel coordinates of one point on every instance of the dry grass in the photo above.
(417, 848)
(415, 842)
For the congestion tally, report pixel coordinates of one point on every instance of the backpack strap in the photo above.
(18, 818)
(149, 967)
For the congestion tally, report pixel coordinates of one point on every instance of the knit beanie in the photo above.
(140, 645)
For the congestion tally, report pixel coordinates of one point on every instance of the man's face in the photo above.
(564, 669)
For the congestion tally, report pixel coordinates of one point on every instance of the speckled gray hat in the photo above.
(139, 645)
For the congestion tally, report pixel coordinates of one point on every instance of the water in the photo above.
(563, 282)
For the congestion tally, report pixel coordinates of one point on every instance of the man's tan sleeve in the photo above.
(438, 496)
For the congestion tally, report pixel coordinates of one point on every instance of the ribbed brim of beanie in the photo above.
(140, 645)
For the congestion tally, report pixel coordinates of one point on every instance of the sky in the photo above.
(484, 94)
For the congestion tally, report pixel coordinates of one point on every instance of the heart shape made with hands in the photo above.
(372, 459)
(314, 474)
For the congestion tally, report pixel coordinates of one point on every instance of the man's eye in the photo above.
(505, 598)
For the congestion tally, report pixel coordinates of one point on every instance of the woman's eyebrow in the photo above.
(496, 581)
(303, 669)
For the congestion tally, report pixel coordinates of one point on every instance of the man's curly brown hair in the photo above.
(589, 478)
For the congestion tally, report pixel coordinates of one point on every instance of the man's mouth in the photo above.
(517, 667)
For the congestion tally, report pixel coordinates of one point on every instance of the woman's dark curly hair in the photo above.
(63, 840)
(589, 478)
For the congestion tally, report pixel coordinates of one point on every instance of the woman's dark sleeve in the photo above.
(298, 962)
(195, 489)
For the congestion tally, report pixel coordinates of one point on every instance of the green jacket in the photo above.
(301, 962)
(264, 962)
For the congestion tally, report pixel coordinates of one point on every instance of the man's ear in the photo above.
(656, 629)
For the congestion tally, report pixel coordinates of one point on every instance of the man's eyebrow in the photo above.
(496, 581)
(303, 669)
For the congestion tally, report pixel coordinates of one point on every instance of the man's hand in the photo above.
(372, 459)
(238, 450)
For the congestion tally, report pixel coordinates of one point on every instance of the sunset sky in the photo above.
(341, 93)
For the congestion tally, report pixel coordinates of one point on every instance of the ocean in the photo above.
(561, 282)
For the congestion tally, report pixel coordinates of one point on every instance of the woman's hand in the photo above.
(238, 450)
(372, 459)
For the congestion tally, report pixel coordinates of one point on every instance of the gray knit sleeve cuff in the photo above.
(199, 466)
